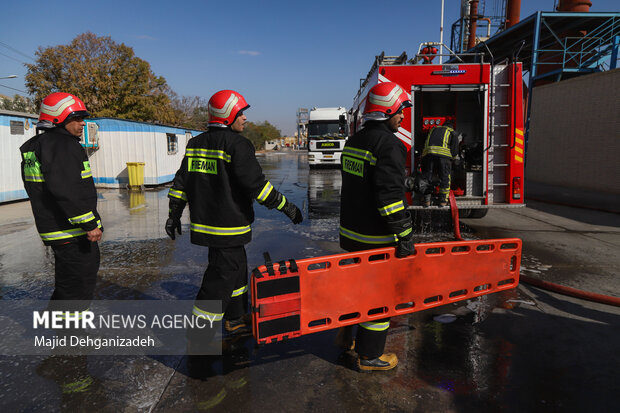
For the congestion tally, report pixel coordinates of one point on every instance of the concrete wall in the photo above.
(574, 139)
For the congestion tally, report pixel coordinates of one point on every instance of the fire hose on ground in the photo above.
(573, 292)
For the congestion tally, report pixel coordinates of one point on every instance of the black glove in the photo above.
(405, 246)
(171, 225)
(290, 210)
(422, 186)
(409, 183)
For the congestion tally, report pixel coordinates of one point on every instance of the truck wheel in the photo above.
(478, 213)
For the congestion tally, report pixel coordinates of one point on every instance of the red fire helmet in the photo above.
(385, 100)
(225, 106)
(60, 106)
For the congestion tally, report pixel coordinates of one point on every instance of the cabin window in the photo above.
(17, 127)
(173, 143)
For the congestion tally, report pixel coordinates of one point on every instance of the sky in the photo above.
(281, 55)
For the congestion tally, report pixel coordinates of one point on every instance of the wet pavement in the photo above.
(520, 350)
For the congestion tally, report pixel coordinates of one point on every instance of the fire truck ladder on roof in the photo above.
(499, 134)
(383, 60)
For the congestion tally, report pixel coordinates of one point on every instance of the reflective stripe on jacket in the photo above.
(220, 178)
(441, 141)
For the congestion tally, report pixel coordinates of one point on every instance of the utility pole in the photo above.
(441, 36)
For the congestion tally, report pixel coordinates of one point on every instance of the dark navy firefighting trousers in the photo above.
(442, 167)
(77, 264)
(226, 280)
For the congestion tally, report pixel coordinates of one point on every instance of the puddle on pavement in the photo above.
(532, 266)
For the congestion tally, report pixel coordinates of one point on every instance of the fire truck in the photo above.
(485, 102)
(327, 134)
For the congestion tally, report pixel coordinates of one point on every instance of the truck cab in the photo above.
(327, 134)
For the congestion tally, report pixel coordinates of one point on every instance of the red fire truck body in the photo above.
(485, 101)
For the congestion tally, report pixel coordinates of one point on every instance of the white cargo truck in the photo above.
(327, 134)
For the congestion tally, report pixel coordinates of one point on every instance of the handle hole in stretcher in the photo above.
(378, 257)
(320, 322)
(404, 306)
(482, 287)
(435, 251)
(434, 299)
(509, 246)
(485, 247)
(349, 261)
(378, 310)
(457, 293)
(319, 266)
(350, 316)
(513, 263)
(507, 281)
(461, 249)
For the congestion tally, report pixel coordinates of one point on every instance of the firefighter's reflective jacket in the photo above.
(441, 141)
(220, 178)
(59, 182)
(373, 190)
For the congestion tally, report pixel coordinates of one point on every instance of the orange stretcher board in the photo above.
(294, 298)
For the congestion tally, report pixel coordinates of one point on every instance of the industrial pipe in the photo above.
(473, 17)
(488, 20)
(441, 35)
(582, 6)
(513, 12)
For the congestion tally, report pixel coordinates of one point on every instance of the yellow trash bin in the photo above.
(135, 170)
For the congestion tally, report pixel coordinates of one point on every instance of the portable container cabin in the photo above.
(15, 129)
(111, 143)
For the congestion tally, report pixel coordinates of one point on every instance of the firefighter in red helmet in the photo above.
(59, 182)
(220, 178)
(372, 207)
